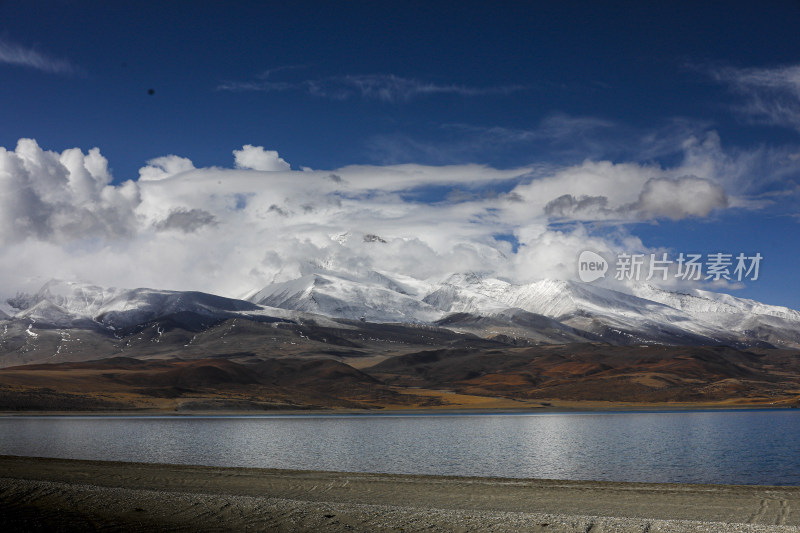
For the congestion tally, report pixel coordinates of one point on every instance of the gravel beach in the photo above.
(39, 494)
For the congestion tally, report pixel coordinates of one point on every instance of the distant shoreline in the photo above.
(555, 409)
(70, 495)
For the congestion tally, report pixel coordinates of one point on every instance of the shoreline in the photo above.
(565, 408)
(68, 494)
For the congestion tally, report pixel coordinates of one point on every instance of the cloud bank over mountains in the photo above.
(230, 230)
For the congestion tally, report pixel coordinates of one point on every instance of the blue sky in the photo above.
(710, 90)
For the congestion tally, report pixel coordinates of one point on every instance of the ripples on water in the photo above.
(738, 447)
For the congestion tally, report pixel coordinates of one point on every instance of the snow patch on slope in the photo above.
(72, 304)
(374, 298)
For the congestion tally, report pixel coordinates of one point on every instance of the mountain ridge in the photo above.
(319, 304)
(647, 314)
(479, 342)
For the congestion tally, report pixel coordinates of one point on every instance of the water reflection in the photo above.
(749, 447)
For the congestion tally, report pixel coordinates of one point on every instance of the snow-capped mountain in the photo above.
(613, 315)
(70, 304)
(546, 311)
(648, 315)
(748, 318)
(373, 298)
(698, 303)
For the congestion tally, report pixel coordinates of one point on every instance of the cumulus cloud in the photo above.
(677, 198)
(673, 198)
(256, 158)
(18, 55)
(61, 197)
(165, 167)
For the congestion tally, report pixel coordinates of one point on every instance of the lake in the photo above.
(731, 447)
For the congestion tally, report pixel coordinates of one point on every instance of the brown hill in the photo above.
(446, 377)
(599, 372)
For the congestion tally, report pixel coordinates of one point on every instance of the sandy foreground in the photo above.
(66, 495)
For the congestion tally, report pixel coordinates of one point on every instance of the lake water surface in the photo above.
(733, 447)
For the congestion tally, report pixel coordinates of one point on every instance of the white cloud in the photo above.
(558, 139)
(673, 198)
(15, 54)
(619, 184)
(677, 198)
(602, 190)
(256, 158)
(556, 127)
(230, 231)
(61, 197)
(744, 173)
(772, 94)
(389, 88)
(165, 167)
(382, 87)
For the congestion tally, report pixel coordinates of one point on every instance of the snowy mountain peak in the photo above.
(371, 296)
